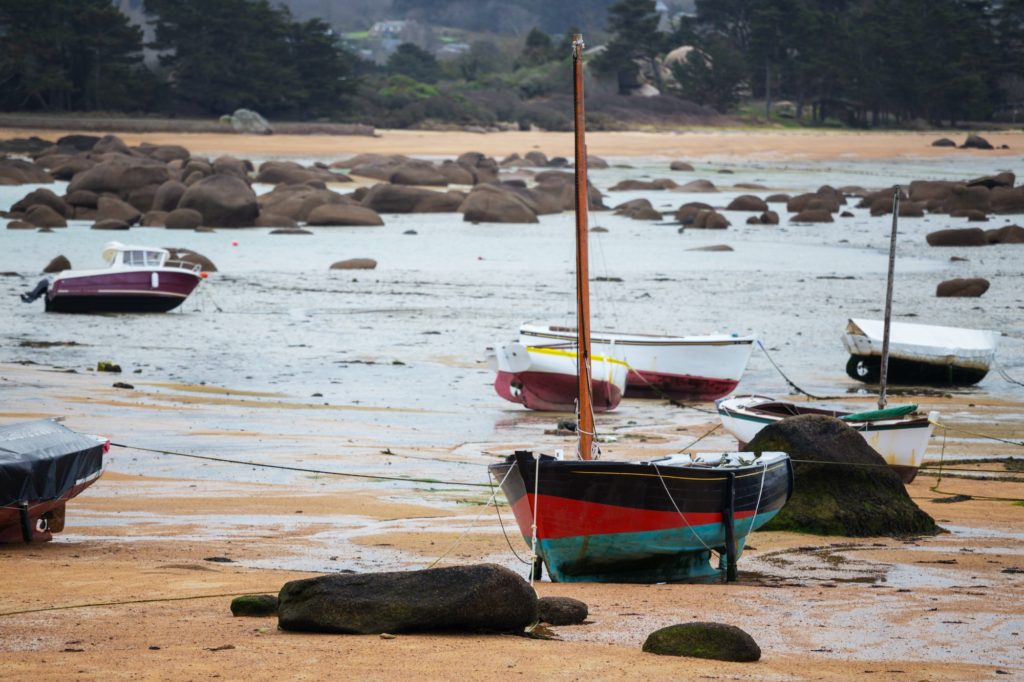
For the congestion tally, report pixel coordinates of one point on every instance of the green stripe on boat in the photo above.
(878, 415)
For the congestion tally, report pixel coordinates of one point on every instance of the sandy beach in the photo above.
(138, 586)
(689, 144)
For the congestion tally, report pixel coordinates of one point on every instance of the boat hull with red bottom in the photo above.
(643, 522)
(148, 291)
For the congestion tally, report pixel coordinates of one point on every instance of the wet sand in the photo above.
(128, 589)
(747, 144)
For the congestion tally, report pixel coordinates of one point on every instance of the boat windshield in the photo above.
(144, 258)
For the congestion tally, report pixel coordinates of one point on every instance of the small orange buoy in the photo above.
(234, 243)
(204, 274)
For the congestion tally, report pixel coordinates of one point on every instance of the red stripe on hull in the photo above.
(553, 392)
(559, 517)
(642, 384)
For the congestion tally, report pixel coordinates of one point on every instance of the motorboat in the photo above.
(137, 279)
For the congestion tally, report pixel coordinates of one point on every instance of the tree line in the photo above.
(852, 62)
(859, 62)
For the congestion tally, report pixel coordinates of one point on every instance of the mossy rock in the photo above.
(108, 366)
(717, 641)
(841, 485)
(561, 610)
(254, 605)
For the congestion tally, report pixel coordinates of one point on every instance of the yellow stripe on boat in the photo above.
(572, 354)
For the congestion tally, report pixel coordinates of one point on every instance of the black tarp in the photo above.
(42, 460)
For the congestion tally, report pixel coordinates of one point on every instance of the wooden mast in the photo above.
(883, 374)
(585, 420)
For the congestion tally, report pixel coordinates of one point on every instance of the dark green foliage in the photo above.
(842, 486)
(415, 62)
(506, 16)
(255, 605)
(716, 641)
(711, 76)
(635, 37)
(538, 49)
(70, 55)
(247, 53)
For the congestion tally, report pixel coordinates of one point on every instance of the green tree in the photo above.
(537, 50)
(224, 55)
(635, 37)
(70, 55)
(415, 62)
(712, 75)
(323, 68)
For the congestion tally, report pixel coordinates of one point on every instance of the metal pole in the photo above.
(884, 369)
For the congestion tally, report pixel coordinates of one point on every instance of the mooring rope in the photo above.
(1003, 373)
(663, 395)
(284, 467)
(790, 381)
(129, 602)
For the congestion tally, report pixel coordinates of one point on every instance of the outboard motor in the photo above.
(39, 290)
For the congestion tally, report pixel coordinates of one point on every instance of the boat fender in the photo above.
(26, 522)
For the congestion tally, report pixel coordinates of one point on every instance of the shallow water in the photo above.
(408, 337)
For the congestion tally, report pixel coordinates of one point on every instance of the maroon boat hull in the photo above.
(137, 291)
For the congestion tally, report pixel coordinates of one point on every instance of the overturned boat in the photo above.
(919, 354)
(42, 466)
(138, 279)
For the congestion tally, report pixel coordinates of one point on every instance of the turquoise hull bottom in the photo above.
(674, 554)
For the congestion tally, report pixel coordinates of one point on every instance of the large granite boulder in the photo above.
(167, 196)
(970, 236)
(388, 198)
(747, 202)
(120, 176)
(418, 173)
(969, 287)
(183, 219)
(343, 214)
(251, 122)
(1003, 179)
(813, 215)
(638, 209)
(297, 201)
(717, 641)
(1010, 234)
(842, 486)
(21, 172)
(58, 264)
(493, 204)
(44, 197)
(111, 208)
(976, 142)
(41, 215)
(223, 200)
(291, 173)
(629, 185)
(1007, 200)
(697, 186)
(561, 610)
(476, 598)
(354, 264)
(190, 256)
(964, 198)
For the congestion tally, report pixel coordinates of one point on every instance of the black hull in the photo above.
(867, 368)
(122, 303)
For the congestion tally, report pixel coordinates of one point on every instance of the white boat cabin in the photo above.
(120, 255)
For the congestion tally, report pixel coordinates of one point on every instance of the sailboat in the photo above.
(899, 434)
(589, 520)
